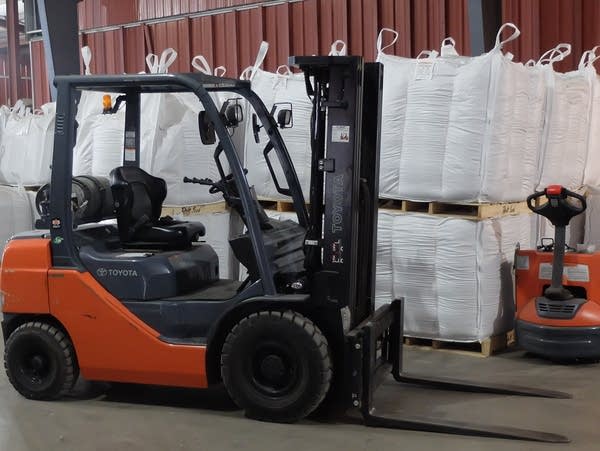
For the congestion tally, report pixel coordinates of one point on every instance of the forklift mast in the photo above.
(345, 128)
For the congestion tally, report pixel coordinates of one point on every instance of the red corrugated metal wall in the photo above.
(546, 23)
(231, 37)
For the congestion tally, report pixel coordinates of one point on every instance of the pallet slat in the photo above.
(463, 210)
(484, 348)
(193, 210)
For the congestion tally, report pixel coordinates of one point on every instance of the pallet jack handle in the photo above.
(559, 210)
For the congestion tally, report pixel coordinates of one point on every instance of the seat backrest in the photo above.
(138, 198)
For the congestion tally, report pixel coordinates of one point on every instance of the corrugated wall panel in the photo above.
(134, 49)
(107, 51)
(201, 34)
(250, 26)
(457, 22)
(546, 23)
(100, 13)
(41, 88)
(175, 34)
(277, 34)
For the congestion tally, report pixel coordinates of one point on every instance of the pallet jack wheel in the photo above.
(276, 366)
(40, 361)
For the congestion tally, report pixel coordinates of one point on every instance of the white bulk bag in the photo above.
(592, 218)
(495, 128)
(15, 213)
(26, 149)
(384, 280)
(591, 176)
(99, 141)
(220, 226)
(565, 139)
(172, 139)
(282, 86)
(398, 74)
(454, 274)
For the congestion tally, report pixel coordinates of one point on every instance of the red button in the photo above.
(554, 190)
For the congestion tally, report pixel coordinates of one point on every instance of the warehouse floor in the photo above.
(138, 418)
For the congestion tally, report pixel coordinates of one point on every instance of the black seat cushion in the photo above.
(138, 198)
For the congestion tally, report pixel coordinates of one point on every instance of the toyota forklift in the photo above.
(108, 289)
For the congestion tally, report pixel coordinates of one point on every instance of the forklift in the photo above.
(108, 289)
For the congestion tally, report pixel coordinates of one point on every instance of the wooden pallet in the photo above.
(484, 348)
(192, 210)
(464, 210)
(278, 205)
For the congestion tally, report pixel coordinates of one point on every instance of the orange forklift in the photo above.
(109, 289)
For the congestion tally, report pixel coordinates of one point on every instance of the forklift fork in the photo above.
(375, 347)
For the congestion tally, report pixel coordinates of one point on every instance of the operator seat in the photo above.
(138, 198)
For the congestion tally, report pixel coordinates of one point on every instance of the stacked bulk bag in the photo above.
(26, 146)
(397, 76)
(591, 176)
(220, 226)
(286, 88)
(99, 141)
(172, 141)
(592, 218)
(566, 130)
(460, 128)
(281, 87)
(454, 274)
(16, 212)
(494, 127)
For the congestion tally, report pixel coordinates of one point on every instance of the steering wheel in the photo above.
(557, 207)
(220, 186)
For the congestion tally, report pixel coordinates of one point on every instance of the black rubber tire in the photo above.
(42, 345)
(305, 364)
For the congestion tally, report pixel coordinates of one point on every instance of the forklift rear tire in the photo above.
(40, 361)
(276, 366)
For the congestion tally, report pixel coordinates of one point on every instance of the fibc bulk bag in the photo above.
(26, 149)
(592, 218)
(220, 227)
(285, 88)
(173, 141)
(565, 139)
(494, 127)
(99, 140)
(397, 75)
(15, 213)
(455, 275)
(591, 176)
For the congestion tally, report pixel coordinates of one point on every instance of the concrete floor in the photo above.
(139, 418)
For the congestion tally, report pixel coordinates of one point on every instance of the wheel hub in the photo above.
(273, 368)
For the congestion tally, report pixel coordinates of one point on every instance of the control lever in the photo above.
(206, 181)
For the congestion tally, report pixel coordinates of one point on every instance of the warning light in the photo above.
(106, 103)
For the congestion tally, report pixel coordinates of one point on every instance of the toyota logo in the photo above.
(102, 272)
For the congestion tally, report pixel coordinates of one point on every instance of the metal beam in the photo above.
(484, 22)
(60, 31)
(12, 31)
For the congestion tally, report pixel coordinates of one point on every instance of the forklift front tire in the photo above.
(276, 366)
(40, 361)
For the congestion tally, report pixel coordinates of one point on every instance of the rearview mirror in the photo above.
(284, 118)
(234, 114)
(207, 129)
(256, 128)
